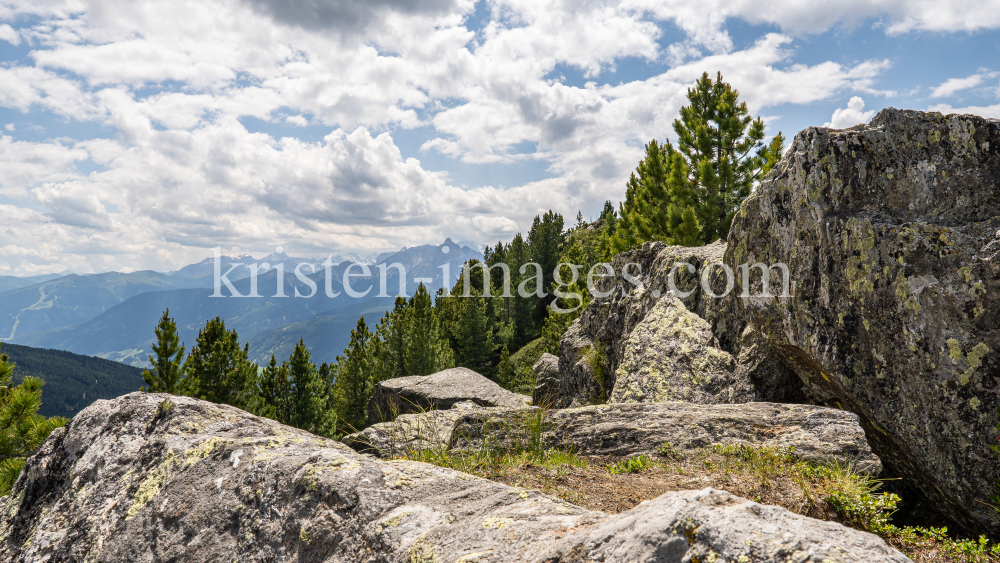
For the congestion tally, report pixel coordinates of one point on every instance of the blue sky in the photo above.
(141, 135)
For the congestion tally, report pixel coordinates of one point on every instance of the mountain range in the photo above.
(112, 315)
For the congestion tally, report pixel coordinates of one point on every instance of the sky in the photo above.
(140, 135)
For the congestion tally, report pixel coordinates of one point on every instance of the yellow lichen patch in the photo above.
(305, 536)
(151, 485)
(497, 523)
(203, 450)
(974, 403)
(974, 359)
(421, 552)
(395, 521)
(954, 349)
(902, 286)
(966, 273)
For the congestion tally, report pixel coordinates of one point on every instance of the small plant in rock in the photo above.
(635, 464)
(667, 450)
(595, 359)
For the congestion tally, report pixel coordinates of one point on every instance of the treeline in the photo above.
(685, 194)
(73, 381)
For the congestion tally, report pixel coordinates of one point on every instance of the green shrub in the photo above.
(635, 464)
(594, 355)
(667, 450)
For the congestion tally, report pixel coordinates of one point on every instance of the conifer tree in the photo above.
(426, 350)
(274, 390)
(167, 371)
(22, 429)
(545, 240)
(474, 335)
(218, 370)
(353, 386)
(307, 396)
(688, 195)
(389, 344)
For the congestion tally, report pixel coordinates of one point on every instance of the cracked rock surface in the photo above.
(817, 434)
(152, 477)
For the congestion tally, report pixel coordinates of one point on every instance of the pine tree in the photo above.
(475, 342)
(688, 195)
(426, 350)
(389, 344)
(165, 377)
(218, 370)
(545, 240)
(306, 394)
(274, 390)
(354, 380)
(22, 429)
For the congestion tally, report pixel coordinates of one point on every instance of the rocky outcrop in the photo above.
(710, 525)
(891, 233)
(599, 348)
(817, 434)
(672, 355)
(431, 430)
(441, 390)
(546, 371)
(150, 477)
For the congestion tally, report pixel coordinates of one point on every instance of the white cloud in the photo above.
(10, 35)
(992, 112)
(952, 85)
(174, 79)
(850, 116)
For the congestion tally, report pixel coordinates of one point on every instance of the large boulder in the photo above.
(546, 371)
(151, 477)
(672, 355)
(891, 233)
(643, 343)
(816, 434)
(441, 390)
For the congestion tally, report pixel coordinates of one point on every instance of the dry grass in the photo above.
(765, 475)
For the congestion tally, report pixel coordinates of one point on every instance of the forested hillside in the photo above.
(72, 381)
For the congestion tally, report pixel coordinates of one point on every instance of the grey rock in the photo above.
(816, 434)
(712, 525)
(672, 355)
(595, 348)
(581, 370)
(759, 363)
(130, 480)
(546, 371)
(431, 430)
(440, 390)
(890, 232)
